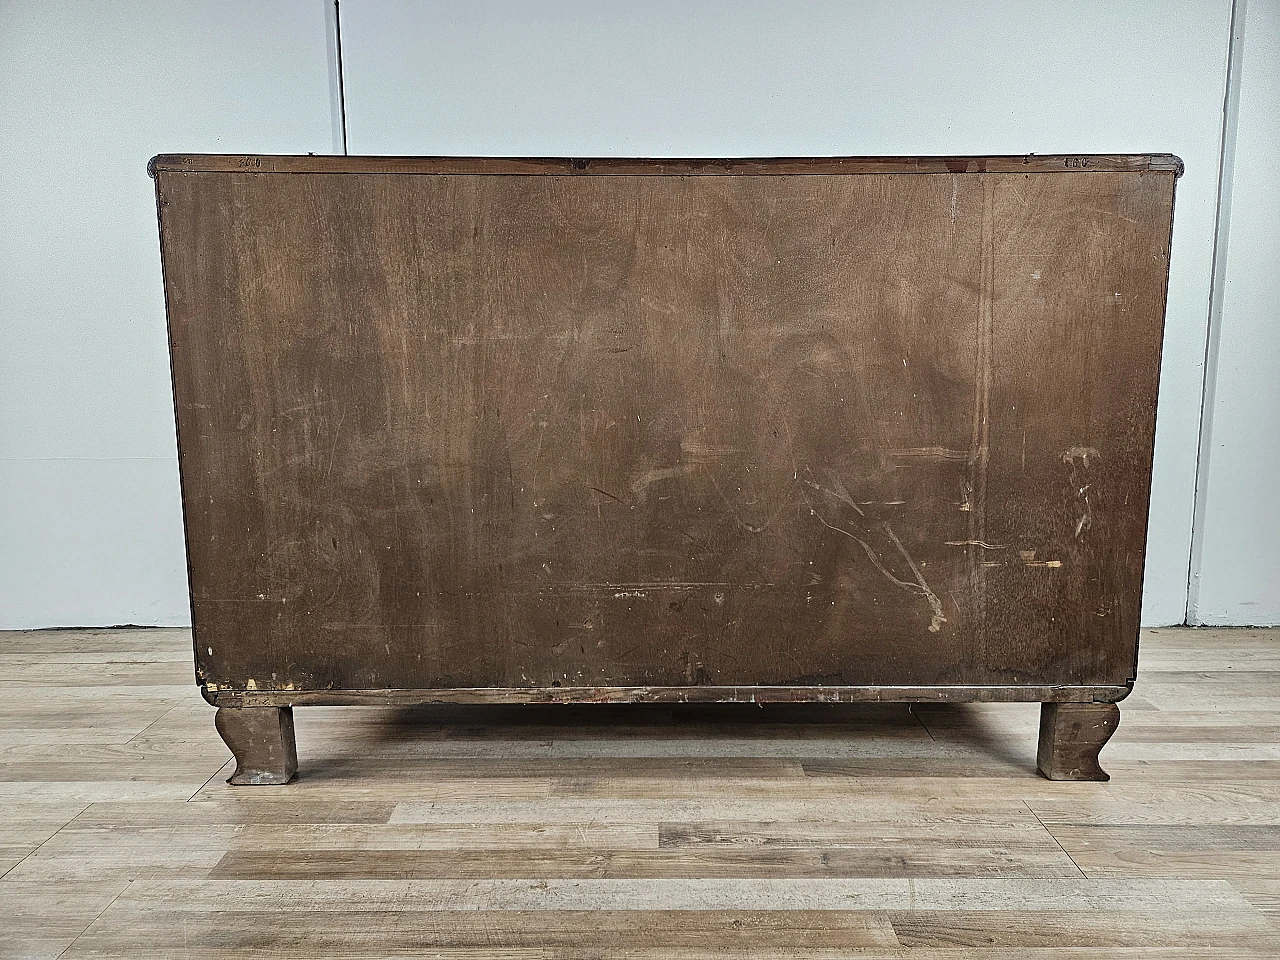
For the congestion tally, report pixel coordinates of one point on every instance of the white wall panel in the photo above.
(1236, 575)
(90, 522)
(750, 78)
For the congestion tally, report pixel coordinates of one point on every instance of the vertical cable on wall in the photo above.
(337, 82)
(1222, 229)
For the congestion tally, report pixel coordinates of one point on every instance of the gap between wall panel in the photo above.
(337, 81)
(1217, 290)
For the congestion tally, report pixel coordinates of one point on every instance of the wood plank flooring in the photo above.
(863, 831)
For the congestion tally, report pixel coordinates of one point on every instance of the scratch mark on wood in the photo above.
(836, 490)
(920, 586)
(337, 433)
(604, 493)
(1077, 459)
(1072, 454)
(930, 453)
(938, 619)
(641, 484)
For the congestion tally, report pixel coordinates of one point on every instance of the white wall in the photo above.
(753, 78)
(90, 522)
(1236, 572)
(90, 527)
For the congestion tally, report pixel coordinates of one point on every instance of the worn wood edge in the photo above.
(1150, 459)
(236, 697)
(187, 551)
(618, 166)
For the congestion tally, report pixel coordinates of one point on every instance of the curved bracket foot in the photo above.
(1071, 737)
(262, 740)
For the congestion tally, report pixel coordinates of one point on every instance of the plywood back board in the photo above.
(464, 424)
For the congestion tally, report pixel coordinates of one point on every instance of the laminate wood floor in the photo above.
(618, 831)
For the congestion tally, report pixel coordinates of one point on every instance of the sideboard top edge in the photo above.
(616, 166)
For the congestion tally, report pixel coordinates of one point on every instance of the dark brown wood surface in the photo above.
(1071, 737)
(455, 430)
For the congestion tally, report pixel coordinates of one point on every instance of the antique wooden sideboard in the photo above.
(498, 430)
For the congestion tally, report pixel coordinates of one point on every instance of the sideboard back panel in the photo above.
(453, 430)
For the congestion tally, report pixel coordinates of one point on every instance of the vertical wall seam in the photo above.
(337, 79)
(1217, 292)
(342, 79)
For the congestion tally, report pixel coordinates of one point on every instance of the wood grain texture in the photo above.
(806, 830)
(659, 429)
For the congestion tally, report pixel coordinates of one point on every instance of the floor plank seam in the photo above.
(47, 839)
(154, 722)
(222, 766)
(1046, 829)
(96, 918)
(1181, 845)
(920, 720)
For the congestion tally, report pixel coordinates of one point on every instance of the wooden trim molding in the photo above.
(227, 697)
(621, 167)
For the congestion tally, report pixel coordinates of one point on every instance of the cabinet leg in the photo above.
(1071, 737)
(262, 740)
